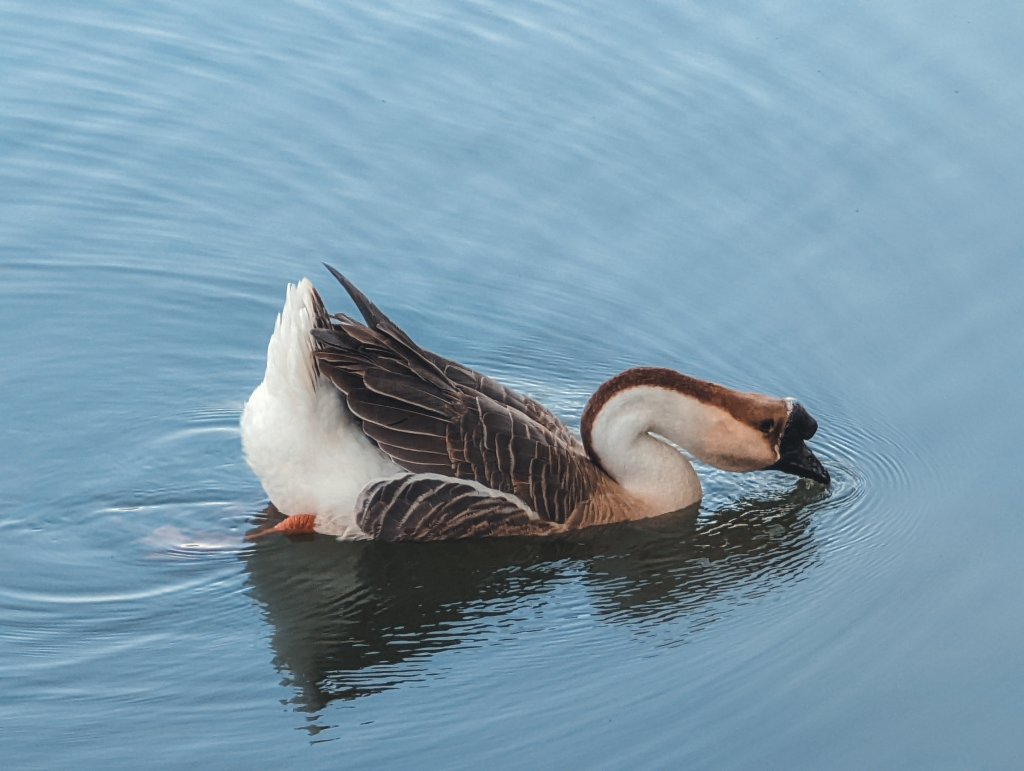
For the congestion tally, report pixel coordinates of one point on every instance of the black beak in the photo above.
(795, 457)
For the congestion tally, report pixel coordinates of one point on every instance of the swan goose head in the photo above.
(635, 424)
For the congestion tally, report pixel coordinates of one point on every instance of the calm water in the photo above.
(822, 201)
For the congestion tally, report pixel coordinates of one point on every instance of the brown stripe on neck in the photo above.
(748, 408)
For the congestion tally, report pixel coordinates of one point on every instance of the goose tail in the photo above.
(298, 435)
(291, 365)
(284, 410)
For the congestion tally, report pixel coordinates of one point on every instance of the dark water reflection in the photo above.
(352, 619)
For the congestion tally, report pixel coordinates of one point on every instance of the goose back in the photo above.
(434, 416)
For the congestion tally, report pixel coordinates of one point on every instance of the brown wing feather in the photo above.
(433, 415)
(427, 507)
(474, 381)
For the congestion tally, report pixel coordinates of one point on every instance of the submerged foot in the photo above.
(296, 524)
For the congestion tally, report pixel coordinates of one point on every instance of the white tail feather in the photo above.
(290, 350)
(297, 432)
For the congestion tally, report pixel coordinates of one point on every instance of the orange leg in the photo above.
(296, 524)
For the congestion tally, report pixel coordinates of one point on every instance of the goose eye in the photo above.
(766, 426)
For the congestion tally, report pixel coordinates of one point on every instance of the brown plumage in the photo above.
(425, 507)
(432, 415)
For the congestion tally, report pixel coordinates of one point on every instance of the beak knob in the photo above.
(794, 455)
(801, 424)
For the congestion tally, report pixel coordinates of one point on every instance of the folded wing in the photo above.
(434, 416)
(429, 507)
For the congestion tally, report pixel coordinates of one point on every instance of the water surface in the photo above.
(820, 202)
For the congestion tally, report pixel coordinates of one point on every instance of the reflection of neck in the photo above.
(646, 465)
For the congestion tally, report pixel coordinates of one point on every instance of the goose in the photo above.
(359, 433)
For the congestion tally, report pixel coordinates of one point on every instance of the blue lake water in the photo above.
(820, 201)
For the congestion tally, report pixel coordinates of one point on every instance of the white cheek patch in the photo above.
(733, 445)
(709, 433)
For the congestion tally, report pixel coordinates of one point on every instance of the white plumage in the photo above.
(297, 434)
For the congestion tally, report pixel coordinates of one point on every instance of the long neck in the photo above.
(626, 436)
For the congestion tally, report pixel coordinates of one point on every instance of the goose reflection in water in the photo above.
(356, 618)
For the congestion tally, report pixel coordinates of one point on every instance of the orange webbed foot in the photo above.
(296, 524)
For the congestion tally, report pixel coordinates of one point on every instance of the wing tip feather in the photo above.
(371, 313)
